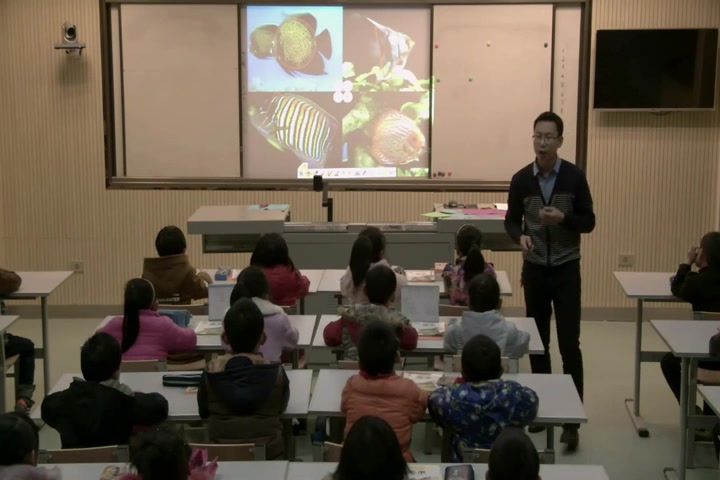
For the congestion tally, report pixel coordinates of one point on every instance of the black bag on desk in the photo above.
(715, 345)
(182, 380)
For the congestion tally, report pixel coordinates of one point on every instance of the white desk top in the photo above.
(559, 399)
(304, 323)
(687, 338)
(646, 285)
(268, 470)
(315, 276)
(6, 321)
(39, 284)
(305, 471)
(711, 394)
(183, 406)
(435, 344)
(331, 282)
(236, 213)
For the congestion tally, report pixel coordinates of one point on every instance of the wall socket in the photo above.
(77, 266)
(626, 260)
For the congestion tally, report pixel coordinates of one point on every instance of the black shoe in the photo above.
(570, 437)
(536, 429)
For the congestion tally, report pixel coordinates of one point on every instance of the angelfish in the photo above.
(400, 44)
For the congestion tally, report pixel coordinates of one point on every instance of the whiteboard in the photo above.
(180, 88)
(493, 71)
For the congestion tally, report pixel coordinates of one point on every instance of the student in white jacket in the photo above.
(485, 318)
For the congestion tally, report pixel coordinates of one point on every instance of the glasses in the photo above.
(546, 138)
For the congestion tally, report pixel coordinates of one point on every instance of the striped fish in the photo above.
(292, 122)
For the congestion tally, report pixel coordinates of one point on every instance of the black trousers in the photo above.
(558, 287)
(24, 347)
(671, 369)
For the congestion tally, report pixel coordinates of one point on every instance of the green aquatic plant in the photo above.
(384, 79)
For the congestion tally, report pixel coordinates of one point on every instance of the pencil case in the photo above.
(182, 380)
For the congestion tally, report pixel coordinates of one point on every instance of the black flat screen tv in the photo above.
(661, 70)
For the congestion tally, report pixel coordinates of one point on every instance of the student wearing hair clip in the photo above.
(469, 263)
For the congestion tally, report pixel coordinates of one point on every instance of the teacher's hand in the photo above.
(551, 216)
(526, 243)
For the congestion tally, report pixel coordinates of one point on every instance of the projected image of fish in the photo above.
(396, 139)
(294, 44)
(393, 46)
(296, 124)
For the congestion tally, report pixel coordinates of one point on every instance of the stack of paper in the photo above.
(429, 329)
(209, 328)
(420, 275)
(424, 472)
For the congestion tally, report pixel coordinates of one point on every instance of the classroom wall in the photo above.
(654, 178)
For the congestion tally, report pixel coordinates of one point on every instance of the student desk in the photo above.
(688, 340)
(317, 471)
(269, 470)
(643, 287)
(331, 282)
(183, 406)
(211, 343)
(5, 322)
(559, 399)
(711, 394)
(435, 345)
(41, 285)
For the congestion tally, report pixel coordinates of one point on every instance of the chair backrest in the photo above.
(482, 455)
(706, 315)
(452, 310)
(233, 452)
(453, 363)
(137, 366)
(193, 308)
(109, 454)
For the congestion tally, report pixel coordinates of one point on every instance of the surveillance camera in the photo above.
(69, 33)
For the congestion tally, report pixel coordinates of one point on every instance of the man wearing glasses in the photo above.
(549, 206)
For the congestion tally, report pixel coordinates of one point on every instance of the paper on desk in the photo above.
(420, 275)
(420, 303)
(501, 206)
(208, 328)
(274, 206)
(436, 215)
(219, 300)
(483, 211)
(424, 472)
(426, 381)
(429, 329)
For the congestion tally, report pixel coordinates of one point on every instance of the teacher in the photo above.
(549, 206)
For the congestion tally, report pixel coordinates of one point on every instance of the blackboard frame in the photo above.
(113, 181)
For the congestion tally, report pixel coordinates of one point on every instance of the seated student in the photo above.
(484, 317)
(702, 290)
(367, 251)
(162, 455)
(378, 390)
(479, 405)
(97, 410)
(24, 347)
(143, 333)
(287, 284)
(280, 335)
(20, 445)
(470, 262)
(370, 451)
(174, 279)
(513, 457)
(241, 394)
(380, 286)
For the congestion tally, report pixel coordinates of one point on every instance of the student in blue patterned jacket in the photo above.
(479, 405)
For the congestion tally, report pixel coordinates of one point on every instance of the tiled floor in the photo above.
(608, 439)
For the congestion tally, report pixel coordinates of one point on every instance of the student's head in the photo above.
(483, 293)
(547, 138)
(380, 285)
(139, 295)
(513, 457)
(270, 250)
(160, 455)
(170, 240)
(369, 248)
(468, 243)
(251, 282)
(371, 450)
(481, 359)
(709, 250)
(378, 348)
(243, 327)
(19, 440)
(100, 358)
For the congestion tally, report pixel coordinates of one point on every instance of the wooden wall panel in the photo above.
(654, 178)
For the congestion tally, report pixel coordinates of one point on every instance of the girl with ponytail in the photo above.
(142, 332)
(470, 263)
(367, 251)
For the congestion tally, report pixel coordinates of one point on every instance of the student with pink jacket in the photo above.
(143, 333)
